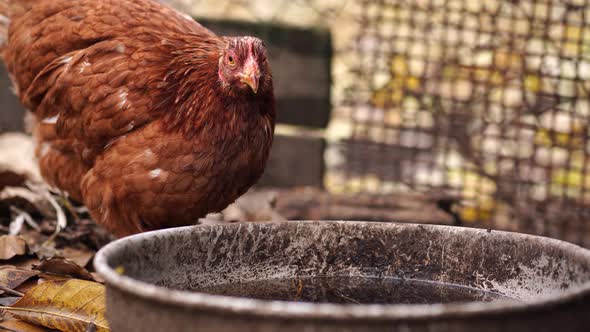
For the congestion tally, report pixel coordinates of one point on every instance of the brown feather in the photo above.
(132, 116)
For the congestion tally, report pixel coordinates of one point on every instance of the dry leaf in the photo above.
(8, 301)
(22, 217)
(25, 262)
(66, 305)
(63, 267)
(91, 328)
(44, 277)
(44, 250)
(79, 256)
(12, 277)
(11, 245)
(25, 286)
(11, 179)
(18, 325)
(27, 200)
(97, 277)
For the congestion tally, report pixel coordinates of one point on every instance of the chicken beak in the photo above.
(252, 81)
(250, 76)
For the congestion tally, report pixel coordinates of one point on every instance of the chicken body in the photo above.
(141, 113)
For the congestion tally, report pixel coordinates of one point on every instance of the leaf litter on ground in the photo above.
(12, 246)
(17, 325)
(68, 305)
(12, 277)
(61, 267)
(46, 243)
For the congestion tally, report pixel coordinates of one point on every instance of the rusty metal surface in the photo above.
(542, 275)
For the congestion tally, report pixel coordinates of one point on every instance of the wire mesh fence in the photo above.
(484, 100)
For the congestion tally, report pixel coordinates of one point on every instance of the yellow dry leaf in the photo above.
(506, 60)
(481, 211)
(493, 77)
(393, 117)
(473, 214)
(399, 65)
(412, 83)
(573, 33)
(20, 326)
(473, 185)
(578, 159)
(67, 305)
(353, 185)
(542, 138)
(393, 92)
(380, 98)
(396, 94)
(453, 72)
(571, 178)
(532, 83)
(571, 140)
(372, 183)
(450, 71)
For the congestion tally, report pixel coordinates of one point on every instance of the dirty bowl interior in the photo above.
(343, 276)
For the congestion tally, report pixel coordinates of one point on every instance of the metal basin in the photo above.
(495, 281)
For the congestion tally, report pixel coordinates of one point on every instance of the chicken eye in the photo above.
(231, 61)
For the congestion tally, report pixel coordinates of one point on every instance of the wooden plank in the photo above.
(316, 204)
(11, 111)
(301, 64)
(295, 161)
(308, 203)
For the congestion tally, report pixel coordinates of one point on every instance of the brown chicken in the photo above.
(142, 114)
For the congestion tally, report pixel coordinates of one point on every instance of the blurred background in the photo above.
(470, 113)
